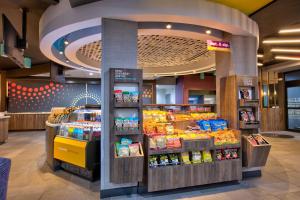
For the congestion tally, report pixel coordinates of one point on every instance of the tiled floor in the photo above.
(31, 179)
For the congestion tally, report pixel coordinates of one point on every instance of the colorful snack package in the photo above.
(161, 128)
(118, 96)
(163, 160)
(123, 151)
(126, 97)
(251, 116)
(169, 129)
(152, 143)
(244, 116)
(227, 153)
(134, 149)
(134, 97)
(185, 158)
(219, 155)
(119, 123)
(126, 123)
(126, 141)
(206, 156)
(234, 154)
(204, 125)
(174, 160)
(161, 142)
(196, 157)
(153, 161)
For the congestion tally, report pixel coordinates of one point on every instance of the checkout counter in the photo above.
(4, 121)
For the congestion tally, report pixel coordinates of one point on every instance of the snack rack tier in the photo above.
(173, 174)
(126, 123)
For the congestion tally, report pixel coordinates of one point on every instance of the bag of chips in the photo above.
(134, 149)
(161, 142)
(204, 125)
(196, 157)
(251, 116)
(152, 143)
(126, 141)
(123, 150)
(185, 158)
(163, 160)
(174, 159)
(153, 161)
(206, 156)
(244, 116)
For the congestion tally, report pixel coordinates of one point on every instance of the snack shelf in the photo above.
(228, 146)
(126, 95)
(198, 144)
(126, 105)
(127, 132)
(248, 103)
(255, 155)
(249, 125)
(164, 151)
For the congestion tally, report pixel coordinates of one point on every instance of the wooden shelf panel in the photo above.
(179, 176)
(245, 125)
(164, 151)
(127, 132)
(198, 144)
(248, 103)
(228, 146)
(127, 105)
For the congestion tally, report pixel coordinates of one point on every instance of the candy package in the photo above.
(234, 154)
(173, 142)
(119, 123)
(246, 94)
(169, 129)
(227, 153)
(161, 128)
(126, 97)
(185, 158)
(196, 157)
(206, 156)
(134, 149)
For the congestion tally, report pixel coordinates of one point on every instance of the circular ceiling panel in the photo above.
(158, 51)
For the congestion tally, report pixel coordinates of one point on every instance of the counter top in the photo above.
(30, 113)
(51, 125)
(4, 117)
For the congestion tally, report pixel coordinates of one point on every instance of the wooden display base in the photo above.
(255, 155)
(172, 177)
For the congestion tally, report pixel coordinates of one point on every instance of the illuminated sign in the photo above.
(218, 46)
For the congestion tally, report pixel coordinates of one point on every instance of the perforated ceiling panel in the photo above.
(158, 51)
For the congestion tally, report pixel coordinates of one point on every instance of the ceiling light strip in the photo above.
(291, 30)
(285, 50)
(281, 41)
(287, 58)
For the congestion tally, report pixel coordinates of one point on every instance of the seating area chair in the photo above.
(5, 164)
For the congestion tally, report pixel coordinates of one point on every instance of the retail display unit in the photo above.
(126, 120)
(4, 121)
(186, 155)
(73, 141)
(241, 107)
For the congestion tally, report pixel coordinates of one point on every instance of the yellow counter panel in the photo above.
(70, 151)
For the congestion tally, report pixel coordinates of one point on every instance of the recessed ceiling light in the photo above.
(260, 55)
(169, 26)
(91, 74)
(281, 41)
(66, 42)
(285, 50)
(287, 58)
(260, 64)
(61, 52)
(290, 30)
(67, 61)
(208, 32)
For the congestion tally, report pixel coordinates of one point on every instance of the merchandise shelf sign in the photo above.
(218, 46)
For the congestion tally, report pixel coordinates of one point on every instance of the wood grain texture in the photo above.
(4, 129)
(172, 177)
(254, 155)
(27, 121)
(51, 132)
(272, 119)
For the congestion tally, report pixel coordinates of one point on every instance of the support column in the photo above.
(242, 60)
(119, 50)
